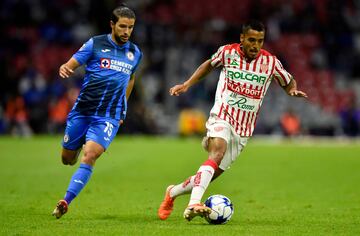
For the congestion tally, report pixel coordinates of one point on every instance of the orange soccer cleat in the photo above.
(167, 205)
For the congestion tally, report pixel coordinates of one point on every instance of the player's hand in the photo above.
(65, 71)
(178, 89)
(297, 93)
(121, 122)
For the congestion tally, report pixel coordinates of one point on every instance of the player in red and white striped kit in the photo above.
(247, 71)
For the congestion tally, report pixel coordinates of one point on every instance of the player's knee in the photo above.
(90, 156)
(217, 149)
(217, 156)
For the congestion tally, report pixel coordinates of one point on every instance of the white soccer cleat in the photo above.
(196, 210)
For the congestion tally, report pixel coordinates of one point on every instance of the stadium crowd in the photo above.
(318, 41)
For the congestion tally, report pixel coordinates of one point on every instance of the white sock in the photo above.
(183, 188)
(201, 182)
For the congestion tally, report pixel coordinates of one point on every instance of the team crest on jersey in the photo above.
(130, 56)
(264, 68)
(105, 63)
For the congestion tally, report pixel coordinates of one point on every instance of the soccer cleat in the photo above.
(166, 207)
(60, 209)
(196, 210)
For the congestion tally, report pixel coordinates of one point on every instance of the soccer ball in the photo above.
(221, 209)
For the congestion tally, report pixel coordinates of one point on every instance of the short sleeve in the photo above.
(280, 74)
(85, 52)
(217, 59)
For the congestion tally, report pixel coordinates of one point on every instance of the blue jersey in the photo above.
(108, 70)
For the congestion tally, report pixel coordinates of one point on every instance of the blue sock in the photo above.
(78, 181)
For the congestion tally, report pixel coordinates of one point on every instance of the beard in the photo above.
(119, 40)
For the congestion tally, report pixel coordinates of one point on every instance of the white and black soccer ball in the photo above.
(221, 209)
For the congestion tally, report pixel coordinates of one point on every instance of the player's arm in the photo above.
(67, 69)
(129, 89)
(286, 81)
(130, 86)
(291, 89)
(78, 59)
(204, 69)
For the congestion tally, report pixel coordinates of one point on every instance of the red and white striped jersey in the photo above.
(243, 84)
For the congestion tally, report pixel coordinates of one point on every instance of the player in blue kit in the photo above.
(111, 61)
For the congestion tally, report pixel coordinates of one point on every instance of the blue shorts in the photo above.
(80, 129)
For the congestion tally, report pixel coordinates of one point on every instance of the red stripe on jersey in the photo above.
(221, 108)
(226, 112)
(237, 120)
(261, 62)
(273, 66)
(242, 121)
(247, 66)
(256, 116)
(217, 63)
(255, 63)
(232, 116)
(250, 123)
(240, 62)
(247, 123)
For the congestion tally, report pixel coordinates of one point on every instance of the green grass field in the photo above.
(277, 188)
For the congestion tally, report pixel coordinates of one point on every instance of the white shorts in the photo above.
(219, 128)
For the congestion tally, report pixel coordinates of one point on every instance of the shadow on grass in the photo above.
(148, 220)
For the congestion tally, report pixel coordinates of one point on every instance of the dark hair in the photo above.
(253, 24)
(122, 11)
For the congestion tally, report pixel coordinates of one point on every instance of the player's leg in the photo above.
(215, 129)
(70, 157)
(173, 191)
(92, 151)
(98, 139)
(234, 146)
(74, 138)
(217, 148)
(186, 186)
(99, 136)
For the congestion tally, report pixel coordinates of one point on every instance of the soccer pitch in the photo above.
(277, 188)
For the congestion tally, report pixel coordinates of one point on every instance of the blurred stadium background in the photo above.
(317, 41)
